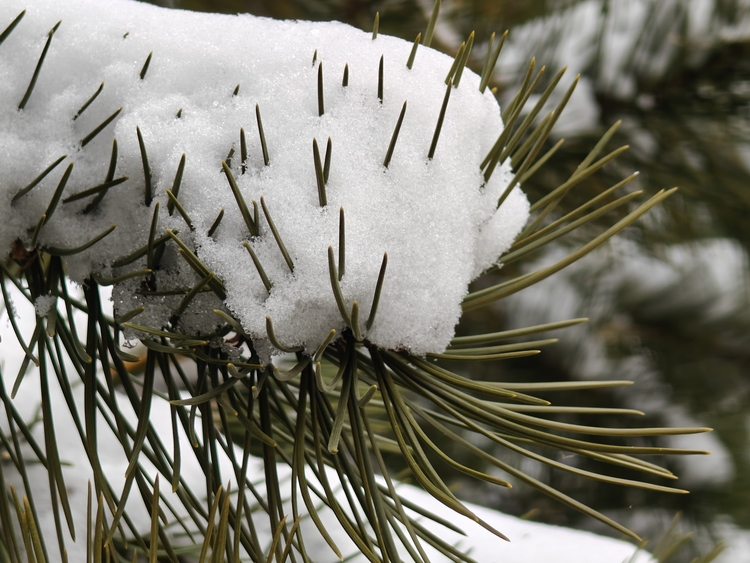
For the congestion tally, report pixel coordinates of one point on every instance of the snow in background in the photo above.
(616, 44)
(710, 275)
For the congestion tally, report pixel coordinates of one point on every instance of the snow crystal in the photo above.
(435, 218)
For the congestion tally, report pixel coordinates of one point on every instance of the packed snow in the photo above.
(435, 218)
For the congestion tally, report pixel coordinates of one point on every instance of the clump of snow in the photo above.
(435, 218)
(44, 304)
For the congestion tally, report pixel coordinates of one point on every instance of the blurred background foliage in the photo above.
(668, 303)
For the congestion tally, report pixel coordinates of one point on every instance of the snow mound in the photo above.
(206, 75)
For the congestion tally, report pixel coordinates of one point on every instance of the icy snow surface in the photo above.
(434, 218)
